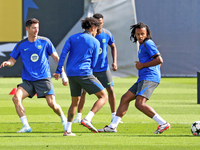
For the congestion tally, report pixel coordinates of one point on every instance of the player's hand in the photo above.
(5, 63)
(138, 65)
(56, 76)
(114, 66)
(64, 82)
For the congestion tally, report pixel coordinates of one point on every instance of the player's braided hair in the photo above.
(139, 26)
(88, 22)
(29, 22)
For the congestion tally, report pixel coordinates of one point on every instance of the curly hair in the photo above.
(88, 22)
(139, 26)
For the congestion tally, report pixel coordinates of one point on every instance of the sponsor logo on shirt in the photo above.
(34, 57)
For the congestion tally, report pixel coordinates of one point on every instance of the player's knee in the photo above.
(52, 105)
(110, 90)
(125, 99)
(15, 99)
(138, 105)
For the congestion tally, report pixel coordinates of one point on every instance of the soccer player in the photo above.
(36, 75)
(83, 51)
(102, 70)
(149, 78)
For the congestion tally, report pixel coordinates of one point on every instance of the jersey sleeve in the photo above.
(152, 49)
(111, 39)
(50, 49)
(95, 53)
(63, 55)
(16, 52)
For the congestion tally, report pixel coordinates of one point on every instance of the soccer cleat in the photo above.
(25, 129)
(89, 125)
(107, 129)
(64, 123)
(69, 134)
(162, 128)
(76, 120)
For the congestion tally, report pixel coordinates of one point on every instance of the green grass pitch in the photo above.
(175, 99)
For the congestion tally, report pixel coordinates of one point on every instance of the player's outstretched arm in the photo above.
(8, 63)
(64, 76)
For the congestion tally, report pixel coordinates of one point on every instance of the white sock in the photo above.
(113, 114)
(159, 119)
(79, 115)
(115, 122)
(69, 126)
(24, 121)
(63, 118)
(89, 116)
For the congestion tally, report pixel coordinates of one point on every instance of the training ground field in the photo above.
(175, 99)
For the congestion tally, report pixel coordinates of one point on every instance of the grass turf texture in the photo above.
(175, 99)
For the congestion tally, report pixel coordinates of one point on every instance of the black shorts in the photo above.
(144, 88)
(91, 84)
(42, 87)
(105, 77)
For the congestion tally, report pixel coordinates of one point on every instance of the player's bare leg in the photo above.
(82, 102)
(102, 99)
(111, 99)
(57, 109)
(17, 100)
(80, 108)
(52, 104)
(72, 108)
(141, 105)
(124, 103)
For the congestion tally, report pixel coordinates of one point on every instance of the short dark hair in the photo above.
(139, 26)
(98, 16)
(30, 21)
(88, 22)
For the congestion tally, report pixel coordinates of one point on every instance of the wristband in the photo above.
(64, 76)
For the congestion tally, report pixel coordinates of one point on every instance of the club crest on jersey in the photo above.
(139, 50)
(103, 40)
(39, 46)
(34, 57)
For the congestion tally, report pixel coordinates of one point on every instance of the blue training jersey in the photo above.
(35, 58)
(145, 55)
(105, 38)
(83, 51)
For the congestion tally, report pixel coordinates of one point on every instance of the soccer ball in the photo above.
(195, 128)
